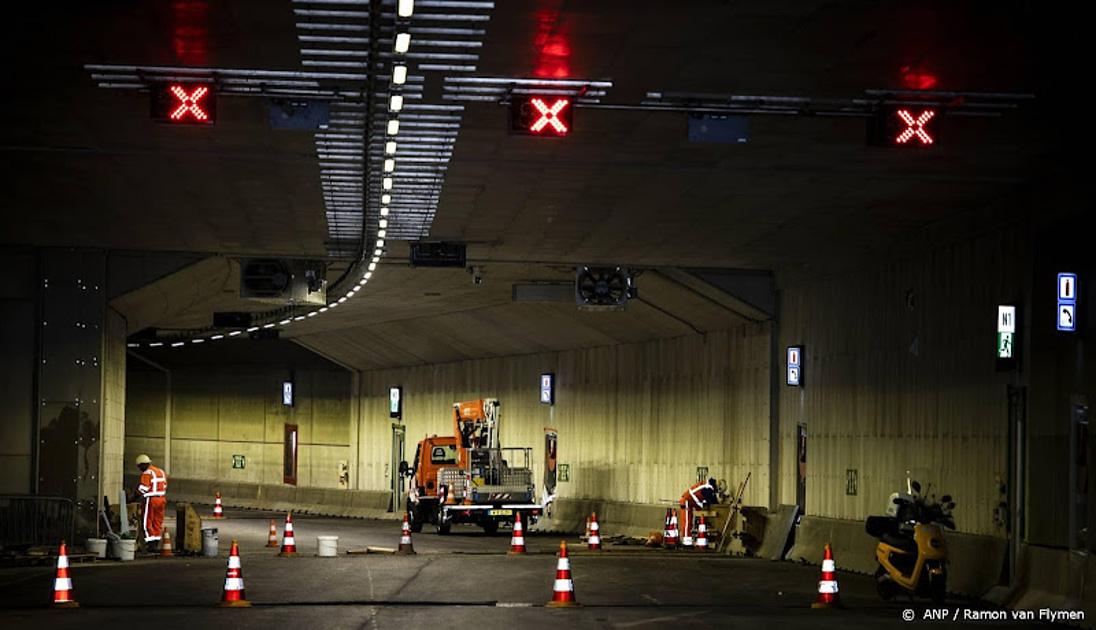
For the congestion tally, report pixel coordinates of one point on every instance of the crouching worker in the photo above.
(153, 491)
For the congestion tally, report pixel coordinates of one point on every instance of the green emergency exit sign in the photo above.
(239, 461)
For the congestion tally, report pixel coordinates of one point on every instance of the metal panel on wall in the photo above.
(71, 286)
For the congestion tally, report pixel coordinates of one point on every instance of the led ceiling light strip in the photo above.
(410, 142)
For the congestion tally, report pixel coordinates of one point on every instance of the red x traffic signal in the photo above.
(184, 103)
(550, 116)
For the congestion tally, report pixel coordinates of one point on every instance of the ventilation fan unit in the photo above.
(281, 281)
(603, 288)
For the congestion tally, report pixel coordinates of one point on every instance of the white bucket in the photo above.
(127, 549)
(327, 546)
(97, 546)
(210, 542)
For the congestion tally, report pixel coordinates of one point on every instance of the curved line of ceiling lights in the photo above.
(397, 78)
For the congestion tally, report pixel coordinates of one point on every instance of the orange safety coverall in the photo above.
(153, 489)
(695, 498)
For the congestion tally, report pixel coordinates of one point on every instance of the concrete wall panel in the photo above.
(900, 375)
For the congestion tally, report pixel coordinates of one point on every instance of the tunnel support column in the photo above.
(70, 388)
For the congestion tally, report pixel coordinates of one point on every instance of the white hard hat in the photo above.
(143, 459)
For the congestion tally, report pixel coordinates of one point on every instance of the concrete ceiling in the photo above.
(626, 187)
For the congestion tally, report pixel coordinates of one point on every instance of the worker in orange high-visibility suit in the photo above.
(153, 490)
(698, 497)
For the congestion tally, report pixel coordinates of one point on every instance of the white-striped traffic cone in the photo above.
(563, 590)
(405, 548)
(234, 595)
(517, 539)
(672, 539)
(289, 544)
(218, 511)
(272, 537)
(62, 583)
(701, 536)
(829, 595)
(593, 543)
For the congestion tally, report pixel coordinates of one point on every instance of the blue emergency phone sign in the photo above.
(795, 367)
(1067, 302)
(547, 388)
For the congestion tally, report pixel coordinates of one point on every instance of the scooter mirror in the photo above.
(897, 500)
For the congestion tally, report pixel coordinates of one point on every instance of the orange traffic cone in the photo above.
(671, 540)
(593, 543)
(218, 511)
(166, 549)
(272, 539)
(62, 583)
(233, 595)
(289, 545)
(517, 539)
(701, 536)
(829, 595)
(405, 548)
(563, 592)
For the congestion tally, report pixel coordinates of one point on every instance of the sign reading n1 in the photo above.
(184, 103)
(550, 116)
(795, 368)
(1067, 302)
(904, 126)
(1006, 331)
(287, 393)
(548, 388)
(395, 402)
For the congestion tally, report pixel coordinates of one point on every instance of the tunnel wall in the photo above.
(224, 411)
(900, 375)
(634, 421)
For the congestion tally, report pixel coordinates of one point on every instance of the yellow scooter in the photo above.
(911, 552)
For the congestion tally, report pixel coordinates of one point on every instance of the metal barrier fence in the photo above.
(27, 520)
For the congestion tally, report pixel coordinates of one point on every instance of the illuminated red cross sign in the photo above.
(549, 115)
(184, 104)
(189, 104)
(541, 116)
(915, 126)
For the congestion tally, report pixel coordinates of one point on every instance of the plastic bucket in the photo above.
(127, 549)
(210, 542)
(327, 546)
(97, 546)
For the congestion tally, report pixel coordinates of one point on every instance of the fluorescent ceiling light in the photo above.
(395, 103)
(383, 223)
(384, 211)
(372, 266)
(386, 199)
(404, 8)
(386, 183)
(403, 42)
(389, 165)
(393, 127)
(399, 75)
(390, 147)
(380, 244)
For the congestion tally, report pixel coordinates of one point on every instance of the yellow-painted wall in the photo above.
(221, 412)
(635, 420)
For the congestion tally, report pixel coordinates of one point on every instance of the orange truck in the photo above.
(468, 477)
